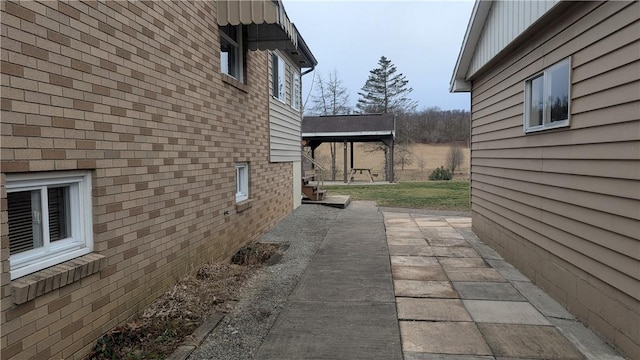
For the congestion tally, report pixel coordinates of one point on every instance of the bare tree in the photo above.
(402, 155)
(422, 162)
(331, 98)
(455, 157)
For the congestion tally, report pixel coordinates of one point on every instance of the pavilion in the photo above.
(350, 129)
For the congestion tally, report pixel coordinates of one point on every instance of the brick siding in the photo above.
(133, 92)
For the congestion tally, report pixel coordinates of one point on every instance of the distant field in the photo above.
(430, 156)
(437, 195)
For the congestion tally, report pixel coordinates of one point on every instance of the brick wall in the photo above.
(133, 92)
(605, 309)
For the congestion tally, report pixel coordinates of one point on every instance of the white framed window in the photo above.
(49, 219)
(231, 51)
(547, 95)
(242, 182)
(277, 77)
(295, 98)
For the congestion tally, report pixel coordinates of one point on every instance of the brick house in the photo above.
(139, 139)
(555, 159)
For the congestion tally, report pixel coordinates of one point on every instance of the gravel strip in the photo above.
(241, 332)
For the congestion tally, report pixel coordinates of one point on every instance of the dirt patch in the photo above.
(260, 253)
(164, 325)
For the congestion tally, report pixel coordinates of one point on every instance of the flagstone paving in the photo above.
(488, 291)
(457, 299)
(427, 289)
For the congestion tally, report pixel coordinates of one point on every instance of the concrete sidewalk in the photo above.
(344, 305)
(429, 289)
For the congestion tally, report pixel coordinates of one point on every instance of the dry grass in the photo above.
(424, 159)
(164, 325)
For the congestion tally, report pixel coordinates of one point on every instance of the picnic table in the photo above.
(361, 170)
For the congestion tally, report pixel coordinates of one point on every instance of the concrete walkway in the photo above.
(344, 306)
(429, 289)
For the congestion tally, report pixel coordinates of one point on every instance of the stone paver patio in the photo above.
(457, 299)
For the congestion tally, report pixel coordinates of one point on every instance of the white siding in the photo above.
(506, 21)
(284, 121)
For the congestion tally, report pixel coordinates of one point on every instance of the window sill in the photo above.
(234, 82)
(560, 125)
(39, 283)
(279, 100)
(244, 205)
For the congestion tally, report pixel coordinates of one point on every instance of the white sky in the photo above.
(422, 38)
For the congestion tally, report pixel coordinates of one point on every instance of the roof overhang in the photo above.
(350, 128)
(268, 27)
(462, 76)
(459, 81)
(349, 134)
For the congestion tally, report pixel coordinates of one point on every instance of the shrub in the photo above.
(441, 174)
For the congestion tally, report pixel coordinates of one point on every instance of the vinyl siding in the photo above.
(572, 192)
(505, 22)
(284, 121)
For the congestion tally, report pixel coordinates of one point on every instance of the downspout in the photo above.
(313, 67)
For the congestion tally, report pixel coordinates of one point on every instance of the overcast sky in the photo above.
(422, 38)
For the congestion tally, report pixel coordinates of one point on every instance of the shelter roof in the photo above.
(348, 125)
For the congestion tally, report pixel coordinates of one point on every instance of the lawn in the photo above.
(439, 195)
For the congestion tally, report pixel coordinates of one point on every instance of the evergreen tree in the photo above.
(385, 91)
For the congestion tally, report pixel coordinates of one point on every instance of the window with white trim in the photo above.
(231, 51)
(295, 98)
(49, 219)
(242, 182)
(547, 97)
(277, 77)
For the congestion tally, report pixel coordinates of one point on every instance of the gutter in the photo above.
(304, 48)
(313, 67)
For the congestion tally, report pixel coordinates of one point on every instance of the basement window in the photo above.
(49, 219)
(547, 98)
(242, 182)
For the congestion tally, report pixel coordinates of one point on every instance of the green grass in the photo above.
(439, 195)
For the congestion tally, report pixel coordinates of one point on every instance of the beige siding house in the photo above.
(285, 115)
(555, 151)
(136, 145)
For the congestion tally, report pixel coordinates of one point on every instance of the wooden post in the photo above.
(352, 165)
(389, 174)
(391, 170)
(344, 147)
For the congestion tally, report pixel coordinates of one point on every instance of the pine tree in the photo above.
(385, 91)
